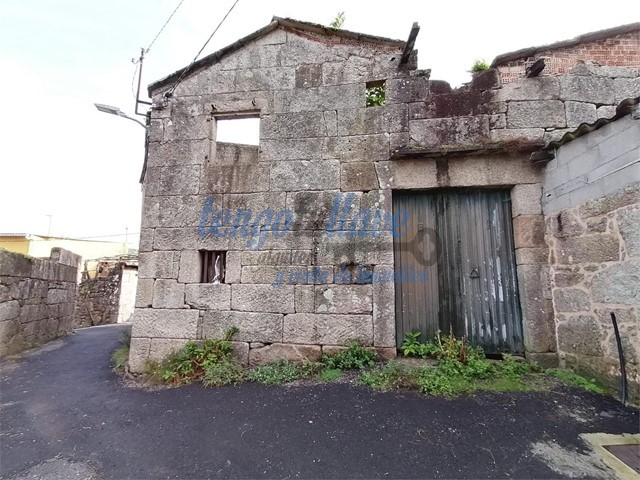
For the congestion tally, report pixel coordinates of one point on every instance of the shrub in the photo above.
(222, 373)
(355, 356)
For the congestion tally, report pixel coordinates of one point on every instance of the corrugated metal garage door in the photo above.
(457, 262)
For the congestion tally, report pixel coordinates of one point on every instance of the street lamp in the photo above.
(118, 112)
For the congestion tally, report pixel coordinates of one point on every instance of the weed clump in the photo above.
(190, 363)
(480, 65)
(354, 357)
(120, 356)
(223, 373)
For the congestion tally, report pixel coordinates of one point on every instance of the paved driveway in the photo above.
(66, 415)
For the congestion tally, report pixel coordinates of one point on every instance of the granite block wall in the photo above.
(37, 298)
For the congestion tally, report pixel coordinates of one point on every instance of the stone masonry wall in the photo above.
(533, 110)
(37, 298)
(318, 143)
(617, 51)
(99, 297)
(592, 208)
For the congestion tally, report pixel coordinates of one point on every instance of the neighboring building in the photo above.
(354, 220)
(613, 47)
(591, 202)
(41, 245)
(107, 291)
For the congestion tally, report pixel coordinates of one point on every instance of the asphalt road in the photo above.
(64, 414)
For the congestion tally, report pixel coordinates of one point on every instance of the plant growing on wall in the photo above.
(338, 21)
(375, 95)
(480, 65)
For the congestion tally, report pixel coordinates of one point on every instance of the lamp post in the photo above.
(116, 111)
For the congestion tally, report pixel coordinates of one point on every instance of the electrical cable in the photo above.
(133, 79)
(163, 27)
(186, 70)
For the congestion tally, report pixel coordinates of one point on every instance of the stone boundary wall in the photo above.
(37, 298)
(99, 298)
(617, 51)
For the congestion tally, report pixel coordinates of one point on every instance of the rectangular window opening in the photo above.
(375, 93)
(242, 130)
(213, 266)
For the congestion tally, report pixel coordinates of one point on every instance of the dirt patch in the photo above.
(571, 463)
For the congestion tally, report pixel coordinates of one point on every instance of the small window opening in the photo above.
(214, 266)
(375, 93)
(244, 131)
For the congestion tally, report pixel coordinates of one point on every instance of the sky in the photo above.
(60, 157)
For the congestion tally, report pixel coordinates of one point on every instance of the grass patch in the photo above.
(120, 356)
(573, 379)
(354, 357)
(390, 376)
(330, 374)
(277, 372)
(223, 373)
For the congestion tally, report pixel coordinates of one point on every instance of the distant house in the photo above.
(107, 291)
(41, 245)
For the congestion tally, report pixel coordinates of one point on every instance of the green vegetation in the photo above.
(390, 376)
(338, 21)
(376, 95)
(190, 363)
(480, 65)
(355, 356)
(330, 375)
(282, 371)
(223, 373)
(120, 356)
(573, 379)
(456, 368)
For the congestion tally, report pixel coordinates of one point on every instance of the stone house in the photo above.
(107, 290)
(356, 219)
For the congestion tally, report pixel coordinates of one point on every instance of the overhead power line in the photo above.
(137, 62)
(163, 27)
(186, 70)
